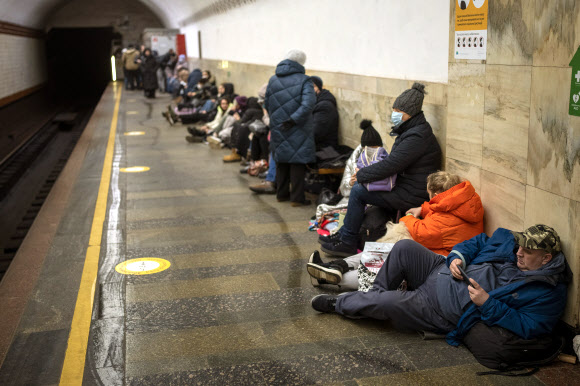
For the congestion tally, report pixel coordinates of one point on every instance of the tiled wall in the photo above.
(22, 64)
(508, 128)
(359, 97)
(503, 123)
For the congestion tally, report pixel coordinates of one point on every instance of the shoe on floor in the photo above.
(265, 187)
(331, 275)
(282, 199)
(324, 303)
(303, 203)
(214, 142)
(314, 259)
(263, 175)
(192, 139)
(244, 169)
(244, 162)
(329, 239)
(339, 248)
(233, 157)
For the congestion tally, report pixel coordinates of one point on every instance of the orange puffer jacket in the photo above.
(448, 219)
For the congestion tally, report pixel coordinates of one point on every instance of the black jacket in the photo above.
(414, 155)
(253, 111)
(325, 116)
(149, 67)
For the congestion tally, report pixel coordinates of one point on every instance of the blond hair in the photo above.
(440, 181)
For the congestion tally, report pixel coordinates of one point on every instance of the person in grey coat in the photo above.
(289, 100)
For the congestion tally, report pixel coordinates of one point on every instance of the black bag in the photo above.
(374, 225)
(328, 197)
(498, 348)
(314, 182)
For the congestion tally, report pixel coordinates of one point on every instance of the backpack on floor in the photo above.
(374, 225)
(500, 349)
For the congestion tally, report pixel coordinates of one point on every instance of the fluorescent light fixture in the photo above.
(113, 68)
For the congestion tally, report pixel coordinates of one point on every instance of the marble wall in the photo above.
(502, 123)
(359, 97)
(508, 127)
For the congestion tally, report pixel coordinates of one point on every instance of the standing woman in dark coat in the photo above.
(289, 101)
(149, 67)
(414, 155)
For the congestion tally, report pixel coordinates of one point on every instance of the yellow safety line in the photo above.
(74, 361)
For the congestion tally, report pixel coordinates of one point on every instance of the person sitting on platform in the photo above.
(454, 213)
(200, 134)
(517, 280)
(179, 95)
(414, 155)
(325, 116)
(239, 140)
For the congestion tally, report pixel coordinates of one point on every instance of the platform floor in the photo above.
(233, 307)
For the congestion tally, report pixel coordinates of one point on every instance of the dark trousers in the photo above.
(241, 139)
(131, 78)
(357, 201)
(416, 308)
(287, 174)
(260, 147)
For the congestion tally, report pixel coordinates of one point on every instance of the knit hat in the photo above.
(369, 137)
(411, 100)
(297, 56)
(539, 236)
(317, 81)
(242, 101)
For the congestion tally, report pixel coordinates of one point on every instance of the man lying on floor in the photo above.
(518, 281)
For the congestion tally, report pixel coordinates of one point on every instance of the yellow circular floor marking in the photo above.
(135, 169)
(142, 266)
(133, 133)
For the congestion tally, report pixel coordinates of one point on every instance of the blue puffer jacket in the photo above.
(290, 96)
(529, 307)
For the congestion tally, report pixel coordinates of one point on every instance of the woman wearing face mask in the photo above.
(414, 155)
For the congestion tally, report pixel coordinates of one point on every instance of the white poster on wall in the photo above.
(162, 44)
(471, 29)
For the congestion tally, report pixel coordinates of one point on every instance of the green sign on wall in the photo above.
(574, 108)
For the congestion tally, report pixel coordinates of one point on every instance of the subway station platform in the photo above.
(229, 303)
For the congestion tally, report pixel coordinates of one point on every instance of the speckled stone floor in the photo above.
(234, 306)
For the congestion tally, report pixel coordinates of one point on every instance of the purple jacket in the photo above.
(365, 160)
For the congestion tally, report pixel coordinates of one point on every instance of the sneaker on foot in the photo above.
(330, 275)
(339, 248)
(214, 142)
(263, 175)
(324, 303)
(314, 259)
(265, 187)
(329, 239)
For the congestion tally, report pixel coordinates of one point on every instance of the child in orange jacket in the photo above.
(453, 214)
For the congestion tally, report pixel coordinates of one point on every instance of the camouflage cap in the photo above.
(539, 236)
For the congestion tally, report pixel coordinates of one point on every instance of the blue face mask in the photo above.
(396, 118)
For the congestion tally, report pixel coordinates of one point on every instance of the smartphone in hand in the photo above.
(464, 275)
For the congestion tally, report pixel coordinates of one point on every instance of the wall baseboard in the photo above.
(18, 30)
(20, 94)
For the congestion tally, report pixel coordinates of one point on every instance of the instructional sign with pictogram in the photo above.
(470, 29)
(574, 108)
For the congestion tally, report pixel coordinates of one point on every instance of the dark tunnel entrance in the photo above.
(79, 61)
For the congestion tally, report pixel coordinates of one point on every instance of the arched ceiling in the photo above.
(34, 13)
